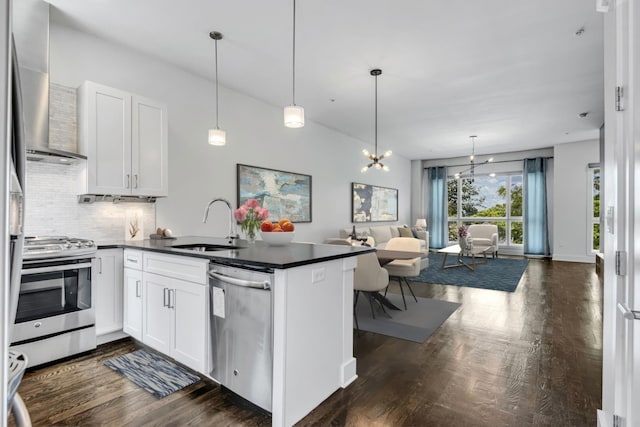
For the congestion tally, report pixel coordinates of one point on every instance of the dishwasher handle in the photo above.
(264, 284)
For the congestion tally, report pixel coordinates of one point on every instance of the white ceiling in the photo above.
(513, 72)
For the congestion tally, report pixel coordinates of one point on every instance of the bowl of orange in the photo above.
(277, 233)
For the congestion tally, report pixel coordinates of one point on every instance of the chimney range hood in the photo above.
(31, 33)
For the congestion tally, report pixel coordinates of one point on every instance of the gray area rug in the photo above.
(152, 372)
(416, 324)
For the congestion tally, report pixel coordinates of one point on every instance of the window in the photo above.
(594, 211)
(487, 199)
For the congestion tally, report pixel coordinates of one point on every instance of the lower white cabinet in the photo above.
(107, 277)
(132, 305)
(174, 318)
(166, 304)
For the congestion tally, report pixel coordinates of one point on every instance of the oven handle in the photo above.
(51, 269)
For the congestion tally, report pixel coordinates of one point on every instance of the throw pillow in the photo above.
(405, 232)
(381, 234)
(414, 232)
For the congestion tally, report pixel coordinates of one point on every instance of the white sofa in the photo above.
(484, 236)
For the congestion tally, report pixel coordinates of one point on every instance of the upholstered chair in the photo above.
(484, 236)
(368, 278)
(399, 270)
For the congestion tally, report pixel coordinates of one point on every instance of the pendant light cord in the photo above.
(375, 135)
(294, 54)
(216, 66)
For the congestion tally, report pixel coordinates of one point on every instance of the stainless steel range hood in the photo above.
(31, 32)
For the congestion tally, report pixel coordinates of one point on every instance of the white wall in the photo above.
(255, 136)
(572, 196)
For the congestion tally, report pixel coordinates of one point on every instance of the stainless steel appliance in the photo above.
(13, 170)
(31, 29)
(55, 316)
(242, 331)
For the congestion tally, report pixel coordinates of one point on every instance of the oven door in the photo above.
(55, 297)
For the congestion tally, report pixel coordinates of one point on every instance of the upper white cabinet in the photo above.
(124, 137)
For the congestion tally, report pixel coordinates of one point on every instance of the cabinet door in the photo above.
(157, 321)
(108, 290)
(133, 291)
(189, 305)
(149, 147)
(105, 136)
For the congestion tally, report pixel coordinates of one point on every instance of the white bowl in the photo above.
(277, 238)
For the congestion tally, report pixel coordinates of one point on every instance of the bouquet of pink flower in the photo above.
(462, 231)
(250, 216)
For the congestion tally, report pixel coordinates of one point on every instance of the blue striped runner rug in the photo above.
(151, 372)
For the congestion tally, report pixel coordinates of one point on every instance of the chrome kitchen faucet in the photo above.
(233, 234)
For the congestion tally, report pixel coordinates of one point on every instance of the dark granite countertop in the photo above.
(259, 254)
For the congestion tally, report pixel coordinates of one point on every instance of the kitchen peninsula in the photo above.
(312, 309)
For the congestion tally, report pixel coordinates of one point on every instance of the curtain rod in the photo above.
(496, 162)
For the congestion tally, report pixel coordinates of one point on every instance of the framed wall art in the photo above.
(285, 194)
(370, 203)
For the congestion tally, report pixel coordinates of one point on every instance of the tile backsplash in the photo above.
(52, 208)
(63, 125)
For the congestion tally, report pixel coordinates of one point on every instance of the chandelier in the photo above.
(471, 170)
(375, 159)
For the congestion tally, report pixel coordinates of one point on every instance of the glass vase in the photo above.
(251, 235)
(462, 242)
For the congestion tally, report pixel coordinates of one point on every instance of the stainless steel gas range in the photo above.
(56, 311)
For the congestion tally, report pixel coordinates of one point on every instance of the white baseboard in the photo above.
(589, 259)
(113, 336)
(602, 419)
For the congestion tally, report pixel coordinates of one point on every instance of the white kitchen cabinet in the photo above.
(156, 314)
(107, 274)
(175, 307)
(175, 318)
(124, 137)
(133, 294)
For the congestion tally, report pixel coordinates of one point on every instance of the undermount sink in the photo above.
(203, 247)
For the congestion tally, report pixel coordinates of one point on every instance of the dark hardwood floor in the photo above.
(528, 358)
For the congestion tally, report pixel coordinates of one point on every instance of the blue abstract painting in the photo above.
(371, 203)
(285, 194)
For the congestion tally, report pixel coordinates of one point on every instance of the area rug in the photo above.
(417, 323)
(151, 372)
(500, 274)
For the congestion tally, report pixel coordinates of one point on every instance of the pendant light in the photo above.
(375, 160)
(217, 136)
(294, 114)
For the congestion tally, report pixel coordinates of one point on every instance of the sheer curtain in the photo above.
(437, 207)
(536, 232)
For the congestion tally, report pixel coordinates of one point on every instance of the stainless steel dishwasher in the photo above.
(241, 331)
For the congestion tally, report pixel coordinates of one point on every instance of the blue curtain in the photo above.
(536, 231)
(437, 207)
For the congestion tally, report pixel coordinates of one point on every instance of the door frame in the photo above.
(621, 335)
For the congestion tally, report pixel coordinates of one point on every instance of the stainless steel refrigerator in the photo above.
(13, 167)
